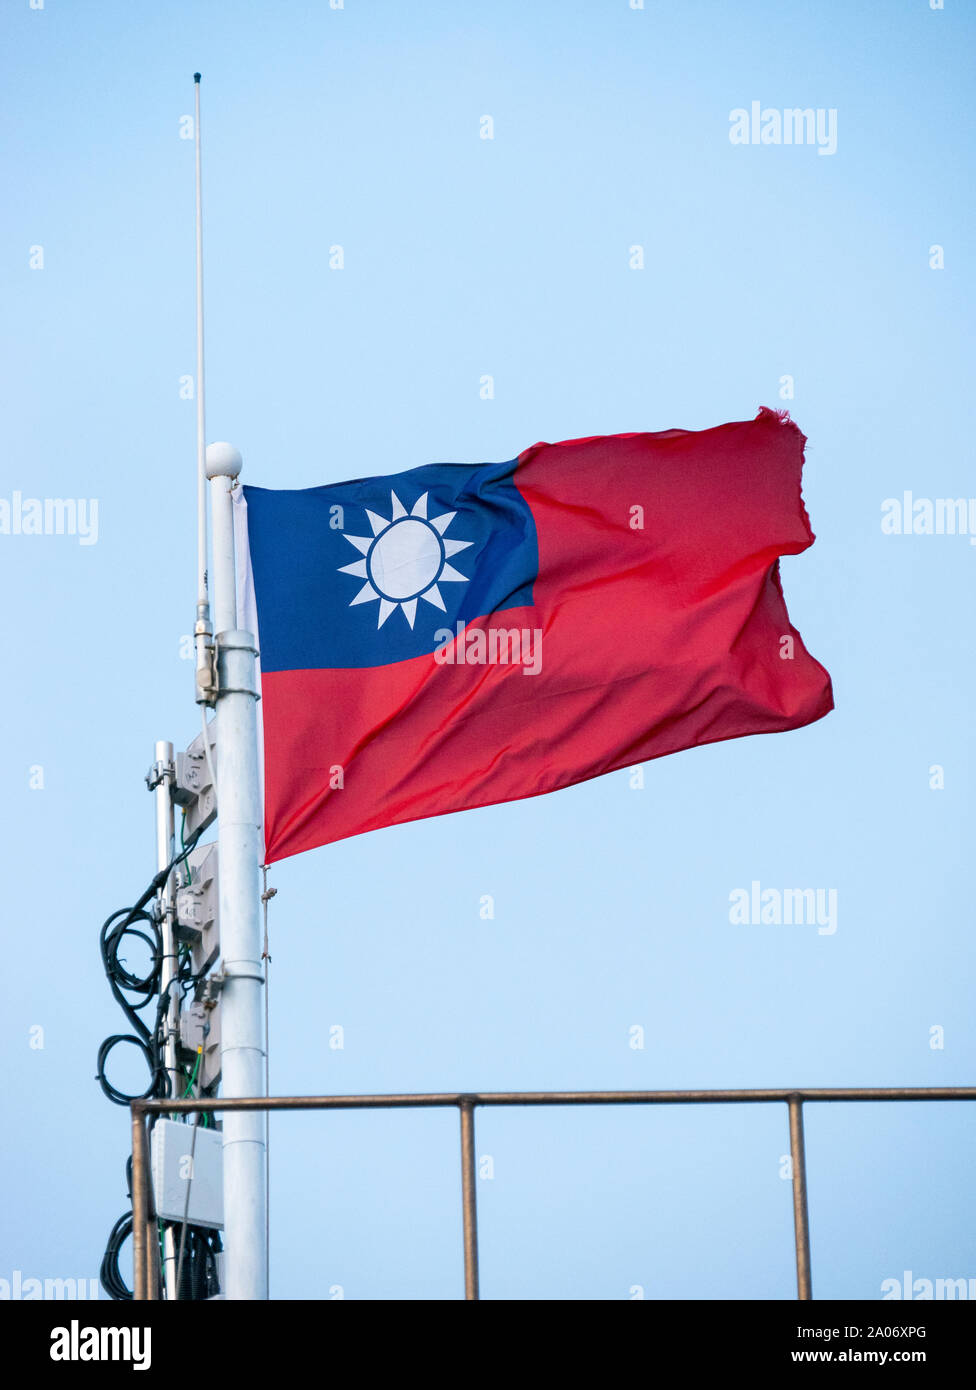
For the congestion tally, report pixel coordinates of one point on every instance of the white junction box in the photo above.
(173, 1170)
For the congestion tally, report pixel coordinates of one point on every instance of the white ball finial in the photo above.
(223, 461)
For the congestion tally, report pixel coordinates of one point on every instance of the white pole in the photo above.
(241, 852)
(163, 775)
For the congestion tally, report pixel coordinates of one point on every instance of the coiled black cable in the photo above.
(109, 1274)
(200, 1278)
(111, 938)
(136, 922)
(131, 922)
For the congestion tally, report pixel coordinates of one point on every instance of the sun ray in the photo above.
(378, 523)
(452, 547)
(409, 607)
(443, 521)
(420, 507)
(386, 608)
(358, 568)
(433, 595)
(366, 593)
(450, 574)
(362, 543)
(398, 508)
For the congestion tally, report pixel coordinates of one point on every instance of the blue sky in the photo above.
(508, 257)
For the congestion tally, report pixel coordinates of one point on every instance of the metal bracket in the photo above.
(206, 670)
(233, 689)
(219, 979)
(211, 988)
(159, 772)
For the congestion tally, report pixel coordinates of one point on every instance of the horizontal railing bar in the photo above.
(434, 1100)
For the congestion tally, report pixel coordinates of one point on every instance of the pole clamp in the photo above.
(220, 979)
(158, 773)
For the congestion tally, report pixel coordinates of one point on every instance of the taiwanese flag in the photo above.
(464, 634)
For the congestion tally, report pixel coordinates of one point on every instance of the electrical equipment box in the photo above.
(174, 1173)
(210, 1061)
(194, 789)
(197, 907)
(200, 1027)
(194, 1027)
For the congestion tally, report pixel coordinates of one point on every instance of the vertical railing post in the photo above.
(468, 1198)
(801, 1220)
(141, 1252)
(154, 1253)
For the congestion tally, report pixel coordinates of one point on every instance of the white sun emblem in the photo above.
(405, 559)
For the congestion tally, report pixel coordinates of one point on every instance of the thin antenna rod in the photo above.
(202, 630)
(203, 600)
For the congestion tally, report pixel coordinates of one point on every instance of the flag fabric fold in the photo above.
(459, 635)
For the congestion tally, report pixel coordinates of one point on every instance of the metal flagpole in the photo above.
(233, 690)
(239, 822)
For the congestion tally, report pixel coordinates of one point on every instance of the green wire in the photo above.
(193, 1077)
(189, 1086)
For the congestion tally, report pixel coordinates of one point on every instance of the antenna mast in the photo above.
(203, 632)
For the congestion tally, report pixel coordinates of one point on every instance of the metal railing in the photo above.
(145, 1245)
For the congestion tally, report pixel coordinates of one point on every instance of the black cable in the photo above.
(127, 922)
(199, 1279)
(120, 978)
(109, 1274)
(136, 922)
(111, 937)
(113, 1093)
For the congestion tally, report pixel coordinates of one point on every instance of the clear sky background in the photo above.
(359, 127)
